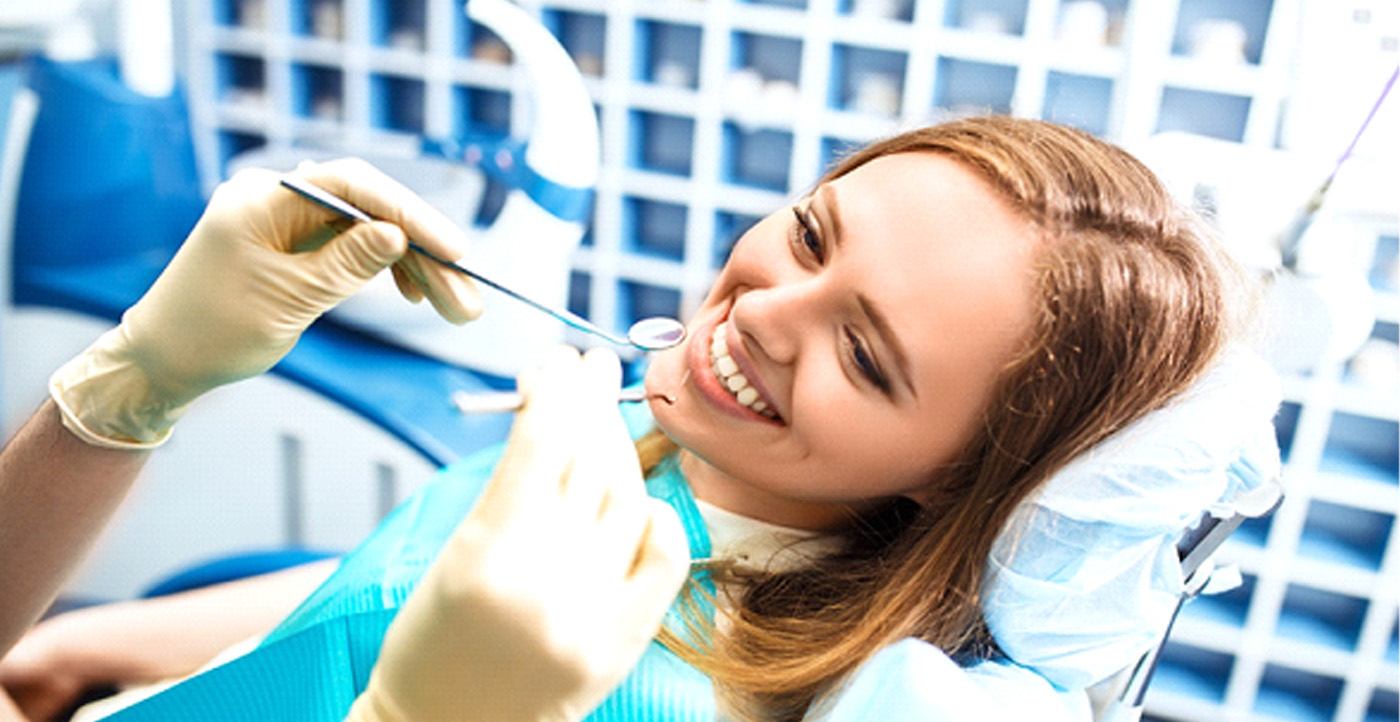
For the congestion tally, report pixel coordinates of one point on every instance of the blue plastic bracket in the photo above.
(503, 158)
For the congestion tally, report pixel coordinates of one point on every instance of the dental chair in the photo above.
(1121, 698)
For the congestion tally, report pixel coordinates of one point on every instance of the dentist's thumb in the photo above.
(349, 260)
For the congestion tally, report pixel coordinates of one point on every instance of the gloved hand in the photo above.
(258, 268)
(550, 589)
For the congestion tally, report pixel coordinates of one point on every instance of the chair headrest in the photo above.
(1086, 575)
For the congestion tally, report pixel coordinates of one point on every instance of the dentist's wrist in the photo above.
(108, 400)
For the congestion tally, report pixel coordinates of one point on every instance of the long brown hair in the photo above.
(1134, 303)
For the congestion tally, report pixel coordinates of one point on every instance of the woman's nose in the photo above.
(774, 320)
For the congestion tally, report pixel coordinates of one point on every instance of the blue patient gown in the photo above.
(313, 665)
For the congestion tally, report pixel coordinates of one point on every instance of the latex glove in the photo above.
(258, 268)
(550, 589)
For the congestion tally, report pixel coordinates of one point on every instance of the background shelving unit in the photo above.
(714, 113)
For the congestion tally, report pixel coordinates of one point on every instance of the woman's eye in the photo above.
(866, 363)
(806, 238)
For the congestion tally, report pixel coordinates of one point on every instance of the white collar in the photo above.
(758, 545)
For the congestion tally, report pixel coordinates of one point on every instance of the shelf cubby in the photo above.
(396, 103)
(1088, 24)
(580, 290)
(318, 92)
(319, 19)
(233, 142)
(1384, 707)
(772, 57)
(661, 142)
(866, 80)
(583, 35)
(897, 10)
(654, 227)
(242, 80)
(966, 87)
(637, 301)
(667, 54)
(1290, 694)
(1221, 31)
(1362, 447)
(1345, 536)
(1226, 608)
(1218, 115)
(1191, 672)
(1286, 425)
(998, 17)
(476, 110)
(477, 42)
(792, 4)
(398, 24)
(757, 158)
(729, 228)
(1320, 617)
(1079, 100)
(247, 14)
(1385, 264)
(1253, 532)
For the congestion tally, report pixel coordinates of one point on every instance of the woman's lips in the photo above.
(709, 386)
(739, 351)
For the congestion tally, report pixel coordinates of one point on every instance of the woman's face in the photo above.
(847, 348)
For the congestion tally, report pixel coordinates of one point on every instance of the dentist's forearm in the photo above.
(56, 494)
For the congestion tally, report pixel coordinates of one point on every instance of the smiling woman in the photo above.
(951, 316)
(871, 327)
(883, 377)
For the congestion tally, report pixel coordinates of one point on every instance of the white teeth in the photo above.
(728, 372)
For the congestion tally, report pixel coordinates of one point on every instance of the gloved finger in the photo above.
(382, 197)
(660, 566)
(618, 533)
(406, 286)
(454, 296)
(608, 458)
(344, 264)
(543, 439)
(254, 202)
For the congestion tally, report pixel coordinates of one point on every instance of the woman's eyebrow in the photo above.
(872, 312)
(833, 211)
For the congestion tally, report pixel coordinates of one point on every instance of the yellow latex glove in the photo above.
(258, 268)
(550, 589)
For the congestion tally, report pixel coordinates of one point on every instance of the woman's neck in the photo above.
(741, 497)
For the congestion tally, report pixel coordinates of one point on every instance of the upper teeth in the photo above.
(729, 376)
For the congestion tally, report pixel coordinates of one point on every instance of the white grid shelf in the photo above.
(689, 161)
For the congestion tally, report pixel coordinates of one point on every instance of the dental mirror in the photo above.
(648, 334)
(656, 333)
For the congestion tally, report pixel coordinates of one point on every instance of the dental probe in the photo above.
(648, 334)
(502, 402)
